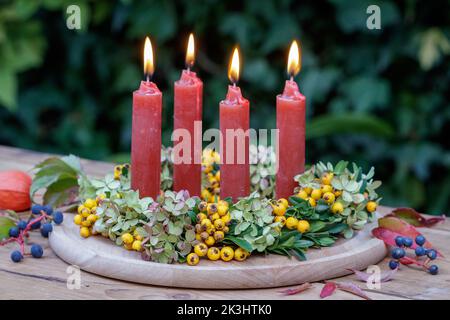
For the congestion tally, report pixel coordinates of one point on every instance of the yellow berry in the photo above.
(85, 212)
(227, 253)
(337, 193)
(226, 229)
(84, 232)
(312, 202)
(371, 206)
(279, 209)
(204, 235)
(90, 203)
(127, 238)
(211, 208)
(308, 190)
(326, 188)
(205, 194)
(218, 236)
(337, 207)
(291, 223)
(215, 217)
(192, 259)
(241, 254)
(222, 209)
(80, 208)
(77, 219)
(137, 245)
(281, 220)
(206, 223)
(213, 253)
(217, 176)
(303, 226)
(198, 237)
(86, 223)
(210, 241)
(284, 202)
(316, 194)
(327, 177)
(329, 197)
(214, 198)
(92, 218)
(201, 216)
(201, 249)
(219, 224)
(302, 194)
(226, 218)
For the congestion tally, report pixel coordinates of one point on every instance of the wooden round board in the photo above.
(99, 255)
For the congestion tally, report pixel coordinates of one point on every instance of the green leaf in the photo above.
(316, 226)
(331, 124)
(61, 192)
(241, 243)
(8, 91)
(5, 224)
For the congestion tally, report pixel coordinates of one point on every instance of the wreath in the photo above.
(331, 201)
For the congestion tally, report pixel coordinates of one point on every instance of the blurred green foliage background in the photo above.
(378, 97)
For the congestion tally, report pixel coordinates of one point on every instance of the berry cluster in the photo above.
(87, 216)
(330, 195)
(279, 208)
(398, 253)
(132, 241)
(213, 222)
(210, 166)
(41, 218)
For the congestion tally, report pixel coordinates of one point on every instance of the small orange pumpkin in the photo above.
(15, 190)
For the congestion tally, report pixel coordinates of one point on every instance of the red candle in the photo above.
(234, 126)
(187, 169)
(291, 126)
(146, 133)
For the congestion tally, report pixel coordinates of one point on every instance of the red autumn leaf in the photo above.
(384, 276)
(352, 288)
(292, 291)
(414, 218)
(328, 289)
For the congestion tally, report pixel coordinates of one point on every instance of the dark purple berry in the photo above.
(432, 254)
(399, 241)
(420, 251)
(46, 229)
(36, 209)
(14, 232)
(58, 217)
(433, 269)
(408, 242)
(36, 251)
(22, 224)
(420, 240)
(398, 253)
(393, 264)
(16, 256)
(36, 225)
(48, 209)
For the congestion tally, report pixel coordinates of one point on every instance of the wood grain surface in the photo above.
(46, 278)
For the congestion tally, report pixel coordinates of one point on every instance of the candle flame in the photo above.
(190, 52)
(149, 67)
(294, 60)
(233, 70)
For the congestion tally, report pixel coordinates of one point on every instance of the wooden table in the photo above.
(46, 278)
